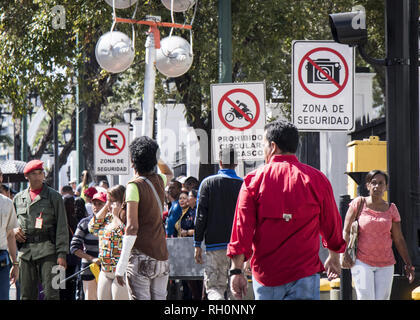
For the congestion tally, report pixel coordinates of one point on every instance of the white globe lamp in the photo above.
(178, 5)
(174, 57)
(114, 52)
(122, 4)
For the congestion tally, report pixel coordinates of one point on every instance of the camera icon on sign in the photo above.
(330, 68)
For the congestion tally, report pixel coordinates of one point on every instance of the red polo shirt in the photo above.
(285, 251)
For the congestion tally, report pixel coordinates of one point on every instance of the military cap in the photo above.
(90, 192)
(33, 165)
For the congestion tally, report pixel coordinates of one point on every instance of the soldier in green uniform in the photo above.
(42, 234)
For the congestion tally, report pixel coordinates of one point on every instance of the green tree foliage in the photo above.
(35, 57)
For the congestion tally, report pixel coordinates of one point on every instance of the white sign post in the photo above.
(322, 86)
(238, 114)
(111, 150)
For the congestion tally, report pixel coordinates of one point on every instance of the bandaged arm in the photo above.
(127, 245)
(129, 238)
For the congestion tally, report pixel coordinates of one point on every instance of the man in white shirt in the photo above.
(9, 266)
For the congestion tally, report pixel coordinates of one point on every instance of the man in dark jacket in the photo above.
(217, 197)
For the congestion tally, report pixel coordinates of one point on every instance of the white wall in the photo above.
(172, 132)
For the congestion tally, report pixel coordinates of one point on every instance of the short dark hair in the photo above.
(284, 134)
(176, 183)
(104, 182)
(143, 152)
(184, 192)
(176, 190)
(191, 183)
(228, 157)
(371, 174)
(66, 189)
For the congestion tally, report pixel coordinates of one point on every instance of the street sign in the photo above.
(238, 115)
(111, 150)
(322, 86)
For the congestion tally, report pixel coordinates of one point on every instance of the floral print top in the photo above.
(110, 241)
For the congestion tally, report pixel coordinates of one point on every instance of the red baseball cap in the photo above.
(90, 192)
(101, 196)
(33, 165)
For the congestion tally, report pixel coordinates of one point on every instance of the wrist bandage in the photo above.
(127, 245)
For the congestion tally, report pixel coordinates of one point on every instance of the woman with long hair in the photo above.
(108, 224)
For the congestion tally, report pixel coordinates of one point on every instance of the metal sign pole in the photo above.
(149, 84)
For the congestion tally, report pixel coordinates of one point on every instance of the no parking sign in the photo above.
(111, 150)
(322, 91)
(238, 114)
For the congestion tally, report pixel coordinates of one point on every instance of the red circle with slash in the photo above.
(226, 98)
(119, 148)
(340, 87)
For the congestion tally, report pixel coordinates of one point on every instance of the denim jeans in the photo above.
(4, 282)
(303, 289)
(4, 275)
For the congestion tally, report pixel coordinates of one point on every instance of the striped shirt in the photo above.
(84, 240)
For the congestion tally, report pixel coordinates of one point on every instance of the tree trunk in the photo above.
(17, 137)
(67, 149)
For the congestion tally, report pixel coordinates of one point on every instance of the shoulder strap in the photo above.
(360, 207)
(155, 193)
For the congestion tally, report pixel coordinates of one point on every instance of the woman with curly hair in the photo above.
(144, 253)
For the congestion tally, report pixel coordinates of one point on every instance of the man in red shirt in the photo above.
(281, 210)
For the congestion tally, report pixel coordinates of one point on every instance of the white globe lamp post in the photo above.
(114, 52)
(121, 4)
(174, 58)
(178, 5)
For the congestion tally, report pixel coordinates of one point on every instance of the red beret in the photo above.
(33, 165)
(90, 192)
(101, 196)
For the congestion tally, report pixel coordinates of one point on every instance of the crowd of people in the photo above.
(111, 241)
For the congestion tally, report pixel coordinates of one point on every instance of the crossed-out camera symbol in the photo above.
(330, 70)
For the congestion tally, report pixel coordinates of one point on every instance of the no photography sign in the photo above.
(322, 92)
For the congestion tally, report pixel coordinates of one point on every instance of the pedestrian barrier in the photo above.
(335, 289)
(182, 265)
(324, 288)
(415, 294)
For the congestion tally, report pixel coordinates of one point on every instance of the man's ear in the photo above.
(274, 148)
